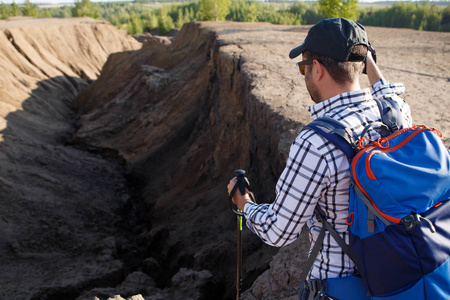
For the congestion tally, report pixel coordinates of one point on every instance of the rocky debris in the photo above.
(148, 37)
(125, 196)
(191, 284)
(136, 283)
(282, 280)
(118, 297)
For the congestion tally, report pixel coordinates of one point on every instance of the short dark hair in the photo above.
(342, 71)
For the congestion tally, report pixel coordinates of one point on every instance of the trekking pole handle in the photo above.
(241, 184)
(242, 181)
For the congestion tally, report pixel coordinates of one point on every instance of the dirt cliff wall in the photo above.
(184, 116)
(60, 206)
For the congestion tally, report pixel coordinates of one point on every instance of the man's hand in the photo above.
(238, 199)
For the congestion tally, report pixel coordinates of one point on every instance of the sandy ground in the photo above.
(418, 59)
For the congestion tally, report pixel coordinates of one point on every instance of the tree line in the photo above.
(142, 16)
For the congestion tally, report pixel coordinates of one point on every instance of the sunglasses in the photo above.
(301, 64)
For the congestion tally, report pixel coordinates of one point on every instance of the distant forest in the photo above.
(162, 17)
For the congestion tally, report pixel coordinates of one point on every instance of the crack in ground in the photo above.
(10, 38)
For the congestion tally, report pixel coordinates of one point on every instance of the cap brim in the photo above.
(297, 51)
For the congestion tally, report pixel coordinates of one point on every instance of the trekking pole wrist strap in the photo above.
(236, 210)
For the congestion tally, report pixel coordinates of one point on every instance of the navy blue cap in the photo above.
(333, 38)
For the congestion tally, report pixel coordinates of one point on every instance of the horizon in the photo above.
(64, 2)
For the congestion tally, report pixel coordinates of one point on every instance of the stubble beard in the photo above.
(312, 89)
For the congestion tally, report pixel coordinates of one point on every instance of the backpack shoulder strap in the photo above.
(390, 114)
(337, 133)
(320, 215)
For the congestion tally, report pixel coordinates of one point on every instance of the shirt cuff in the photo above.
(249, 209)
(382, 87)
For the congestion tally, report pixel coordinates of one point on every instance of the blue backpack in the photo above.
(399, 208)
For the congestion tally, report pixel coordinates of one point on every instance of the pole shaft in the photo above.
(239, 258)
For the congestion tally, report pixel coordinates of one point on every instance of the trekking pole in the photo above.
(241, 184)
(239, 258)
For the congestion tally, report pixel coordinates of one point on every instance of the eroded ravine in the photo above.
(179, 119)
(126, 181)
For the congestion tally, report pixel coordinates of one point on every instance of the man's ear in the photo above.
(320, 69)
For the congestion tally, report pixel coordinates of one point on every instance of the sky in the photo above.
(56, 1)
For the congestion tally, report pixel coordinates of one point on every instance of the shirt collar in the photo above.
(320, 109)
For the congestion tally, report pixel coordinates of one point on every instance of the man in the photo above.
(335, 53)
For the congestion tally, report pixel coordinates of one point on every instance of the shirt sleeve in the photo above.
(298, 189)
(383, 89)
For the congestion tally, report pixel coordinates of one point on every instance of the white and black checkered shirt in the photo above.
(318, 172)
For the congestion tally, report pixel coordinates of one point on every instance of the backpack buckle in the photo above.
(411, 220)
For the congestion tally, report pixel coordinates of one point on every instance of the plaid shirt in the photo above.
(318, 173)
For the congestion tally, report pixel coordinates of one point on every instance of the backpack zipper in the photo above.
(384, 149)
